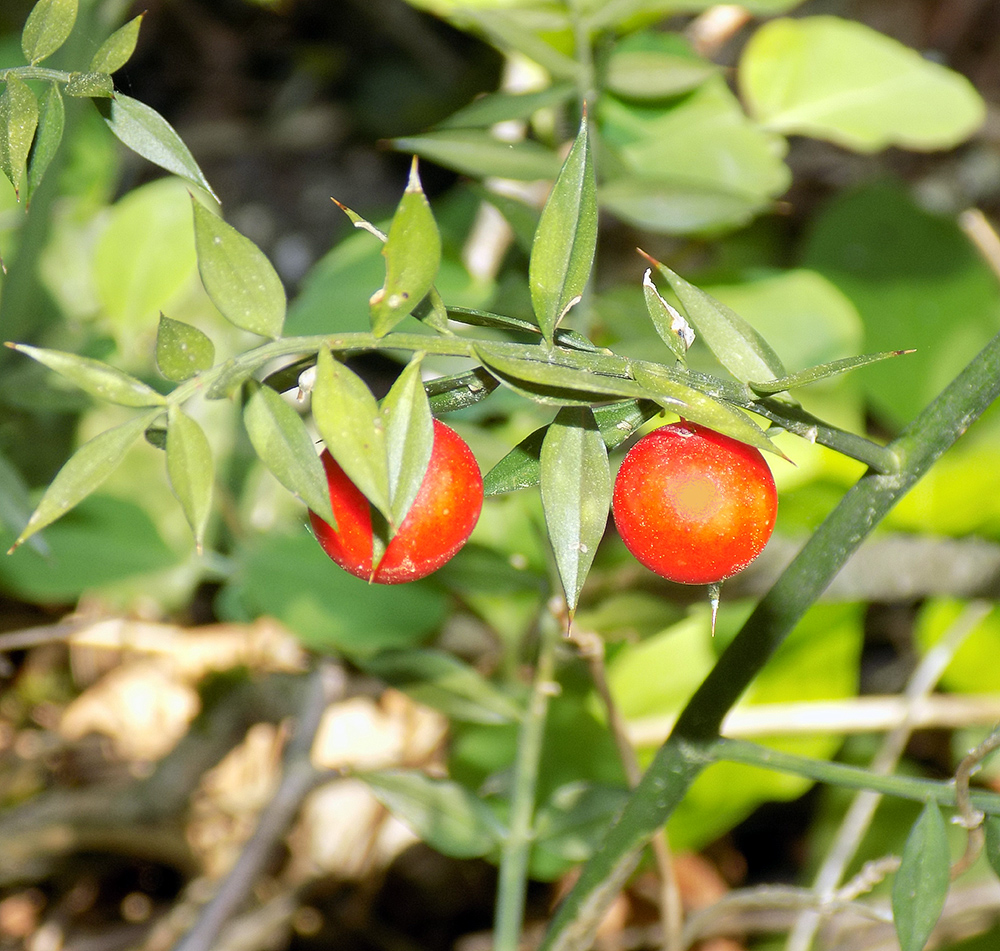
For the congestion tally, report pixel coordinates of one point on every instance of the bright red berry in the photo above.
(438, 524)
(693, 505)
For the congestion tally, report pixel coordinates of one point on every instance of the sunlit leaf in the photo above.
(412, 254)
(51, 122)
(191, 470)
(18, 121)
(118, 48)
(673, 329)
(96, 378)
(576, 495)
(824, 371)
(90, 85)
(85, 470)
(182, 350)
(238, 277)
(562, 253)
(353, 428)
(840, 80)
(409, 439)
(147, 133)
(284, 445)
(48, 26)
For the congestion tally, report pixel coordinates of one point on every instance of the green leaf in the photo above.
(18, 121)
(98, 379)
(497, 107)
(409, 439)
(513, 29)
(576, 495)
(85, 470)
(839, 80)
(693, 164)
(445, 683)
(148, 134)
(673, 329)
(48, 26)
(412, 254)
(921, 884)
(239, 279)
(824, 371)
(90, 86)
(284, 445)
(736, 345)
(447, 394)
(552, 378)
(475, 152)
(353, 429)
(698, 407)
(51, 122)
(118, 48)
(562, 253)
(15, 504)
(182, 350)
(446, 816)
(574, 821)
(191, 470)
(653, 65)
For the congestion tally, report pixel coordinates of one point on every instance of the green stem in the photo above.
(36, 72)
(688, 749)
(516, 852)
(849, 777)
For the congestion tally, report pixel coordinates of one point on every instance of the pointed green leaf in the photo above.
(840, 80)
(18, 121)
(51, 122)
(475, 152)
(698, 407)
(147, 133)
(47, 28)
(85, 470)
(445, 683)
(191, 470)
(118, 48)
(673, 329)
(521, 467)
(823, 372)
(556, 381)
(352, 427)
(447, 394)
(182, 350)
(736, 345)
(283, 443)
(921, 884)
(412, 256)
(409, 438)
(448, 817)
(562, 253)
(576, 495)
(239, 279)
(96, 378)
(90, 85)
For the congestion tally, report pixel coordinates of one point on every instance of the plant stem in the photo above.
(516, 852)
(686, 752)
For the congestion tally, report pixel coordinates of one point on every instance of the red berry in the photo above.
(693, 505)
(438, 524)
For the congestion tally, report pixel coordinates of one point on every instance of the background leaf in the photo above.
(840, 80)
(237, 276)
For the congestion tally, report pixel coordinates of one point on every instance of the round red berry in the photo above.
(438, 524)
(692, 505)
